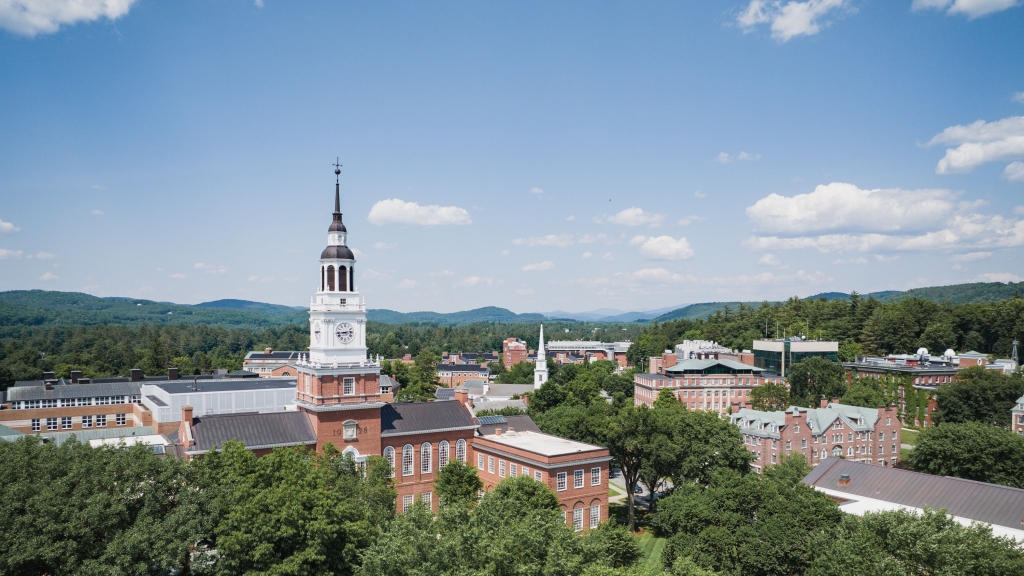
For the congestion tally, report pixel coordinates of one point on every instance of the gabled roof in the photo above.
(443, 393)
(518, 423)
(255, 430)
(694, 366)
(989, 503)
(400, 418)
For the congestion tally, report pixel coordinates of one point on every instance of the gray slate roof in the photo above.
(399, 418)
(519, 423)
(33, 392)
(990, 503)
(255, 430)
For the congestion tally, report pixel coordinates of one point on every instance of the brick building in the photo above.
(582, 351)
(451, 375)
(513, 352)
(1017, 417)
(270, 362)
(870, 435)
(708, 384)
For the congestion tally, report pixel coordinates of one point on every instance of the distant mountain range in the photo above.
(20, 308)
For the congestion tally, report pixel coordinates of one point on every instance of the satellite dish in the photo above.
(950, 353)
(922, 351)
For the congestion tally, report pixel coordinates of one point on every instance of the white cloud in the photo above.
(979, 143)
(561, 240)
(590, 239)
(358, 253)
(539, 267)
(1018, 210)
(407, 283)
(570, 218)
(587, 255)
(31, 17)
(1014, 172)
(524, 291)
(689, 220)
(48, 277)
(97, 187)
(536, 190)
(1018, 97)
(443, 273)
(258, 279)
(96, 213)
(259, 3)
(726, 158)
(43, 256)
(885, 258)
(370, 273)
(970, 8)
(8, 228)
(504, 252)
(771, 260)
(179, 275)
(791, 18)
(636, 217)
(699, 194)
(971, 256)
(857, 260)
(663, 247)
(840, 206)
(476, 281)
(608, 256)
(657, 276)
(211, 268)
(395, 211)
(1002, 277)
(384, 245)
(6, 254)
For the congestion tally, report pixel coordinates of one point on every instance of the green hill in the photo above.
(486, 314)
(974, 293)
(231, 304)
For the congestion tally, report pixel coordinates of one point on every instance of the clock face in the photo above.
(316, 331)
(345, 332)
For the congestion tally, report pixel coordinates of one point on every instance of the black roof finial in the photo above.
(336, 225)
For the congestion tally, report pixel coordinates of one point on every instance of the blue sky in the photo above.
(531, 155)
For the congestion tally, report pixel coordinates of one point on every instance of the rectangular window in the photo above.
(526, 471)
(773, 458)
(101, 420)
(480, 462)
(35, 424)
(501, 468)
(120, 419)
(86, 421)
(513, 470)
(537, 476)
(407, 501)
(51, 423)
(577, 479)
(65, 422)
(774, 443)
(577, 519)
(561, 481)
(595, 516)
(595, 476)
(349, 385)
(428, 499)
(490, 464)
(803, 443)
(789, 444)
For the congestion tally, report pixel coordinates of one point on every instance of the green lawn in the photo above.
(652, 548)
(612, 491)
(909, 436)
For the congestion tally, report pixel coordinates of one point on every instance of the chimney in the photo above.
(748, 405)
(835, 400)
(462, 396)
(172, 373)
(844, 479)
(824, 402)
(185, 437)
(75, 375)
(268, 350)
(497, 431)
(135, 375)
(186, 414)
(49, 376)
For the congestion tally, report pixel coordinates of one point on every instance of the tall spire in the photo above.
(540, 349)
(540, 369)
(337, 190)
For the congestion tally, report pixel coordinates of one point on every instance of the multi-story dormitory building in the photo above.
(869, 435)
(451, 375)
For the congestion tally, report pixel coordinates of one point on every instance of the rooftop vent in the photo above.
(844, 479)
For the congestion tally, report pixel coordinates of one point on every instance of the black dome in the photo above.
(339, 252)
(337, 226)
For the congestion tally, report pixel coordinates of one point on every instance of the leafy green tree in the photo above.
(521, 373)
(627, 439)
(970, 450)
(707, 444)
(457, 484)
(865, 392)
(769, 397)
(849, 350)
(611, 545)
(978, 395)
(938, 337)
(812, 378)
(756, 524)
(900, 543)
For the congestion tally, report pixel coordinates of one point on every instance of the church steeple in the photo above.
(540, 369)
(336, 224)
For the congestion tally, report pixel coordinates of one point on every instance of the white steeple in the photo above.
(540, 370)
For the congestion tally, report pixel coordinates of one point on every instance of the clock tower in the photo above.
(338, 386)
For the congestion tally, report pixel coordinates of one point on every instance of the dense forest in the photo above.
(861, 325)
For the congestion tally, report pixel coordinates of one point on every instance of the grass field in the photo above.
(652, 548)
(909, 436)
(612, 491)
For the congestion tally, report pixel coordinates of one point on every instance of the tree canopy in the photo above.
(978, 395)
(970, 450)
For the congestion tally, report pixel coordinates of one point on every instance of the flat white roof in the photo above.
(540, 443)
(148, 440)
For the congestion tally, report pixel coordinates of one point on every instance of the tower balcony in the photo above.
(335, 302)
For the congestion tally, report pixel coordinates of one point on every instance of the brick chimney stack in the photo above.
(75, 375)
(172, 373)
(824, 402)
(135, 375)
(268, 350)
(185, 437)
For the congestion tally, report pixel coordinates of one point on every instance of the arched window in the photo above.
(342, 279)
(425, 463)
(460, 451)
(351, 277)
(330, 279)
(442, 454)
(837, 451)
(389, 455)
(407, 460)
